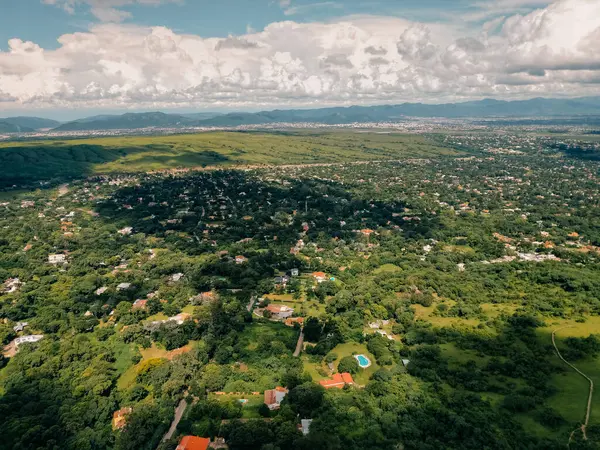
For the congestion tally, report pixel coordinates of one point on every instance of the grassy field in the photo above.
(572, 388)
(249, 408)
(22, 162)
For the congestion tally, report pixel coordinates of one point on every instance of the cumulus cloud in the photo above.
(349, 61)
(104, 10)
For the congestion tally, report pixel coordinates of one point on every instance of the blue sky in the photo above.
(43, 23)
(71, 58)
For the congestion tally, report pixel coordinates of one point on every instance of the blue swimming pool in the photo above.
(363, 361)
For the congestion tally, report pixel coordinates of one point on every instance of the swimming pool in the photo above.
(363, 361)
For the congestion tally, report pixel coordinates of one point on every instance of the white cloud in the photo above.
(105, 10)
(350, 61)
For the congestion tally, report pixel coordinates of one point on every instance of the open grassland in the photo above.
(26, 162)
(571, 398)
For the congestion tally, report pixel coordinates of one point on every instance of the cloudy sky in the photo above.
(71, 57)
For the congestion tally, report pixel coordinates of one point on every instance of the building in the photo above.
(240, 259)
(290, 321)
(294, 272)
(101, 290)
(283, 280)
(123, 286)
(319, 276)
(120, 418)
(57, 259)
(20, 326)
(193, 443)
(12, 285)
(280, 312)
(179, 318)
(338, 380)
(203, 298)
(176, 277)
(126, 231)
(139, 304)
(305, 426)
(25, 339)
(274, 397)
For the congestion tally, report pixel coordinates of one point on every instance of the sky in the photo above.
(72, 58)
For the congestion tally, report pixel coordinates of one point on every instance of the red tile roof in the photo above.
(193, 443)
(338, 380)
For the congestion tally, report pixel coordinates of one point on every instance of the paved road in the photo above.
(299, 344)
(178, 415)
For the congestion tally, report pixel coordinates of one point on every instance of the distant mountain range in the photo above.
(26, 124)
(488, 108)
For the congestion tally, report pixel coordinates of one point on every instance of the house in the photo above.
(240, 259)
(280, 312)
(193, 443)
(101, 290)
(274, 397)
(405, 362)
(139, 304)
(179, 318)
(319, 276)
(12, 285)
(57, 259)
(283, 280)
(203, 298)
(338, 380)
(123, 286)
(290, 321)
(125, 231)
(305, 426)
(120, 418)
(294, 272)
(27, 339)
(176, 277)
(20, 326)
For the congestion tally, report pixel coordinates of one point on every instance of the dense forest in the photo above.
(448, 273)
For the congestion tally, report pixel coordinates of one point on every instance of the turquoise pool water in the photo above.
(363, 361)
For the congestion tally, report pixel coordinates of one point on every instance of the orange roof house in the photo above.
(319, 276)
(139, 304)
(193, 443)
(290, 321)
(274, 397)
(338, 380)
(120, 418)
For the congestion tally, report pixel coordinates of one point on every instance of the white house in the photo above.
(24, 339)
(123, 286)
(57, 259)
(305, 426)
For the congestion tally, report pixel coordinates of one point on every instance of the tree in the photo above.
(348, 364)
(306, 398)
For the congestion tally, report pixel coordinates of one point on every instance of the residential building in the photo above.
(338, 380)
(319, 276)
(57, 259)
(274, 397)
(280, 312)
(290, 321)
(20, 326)
(305, 426)
(120, 418)
(294, 272)
(193, 443)
(123, 286)
(12, 285)
(25, 339)
(139, 304)
(240, 259)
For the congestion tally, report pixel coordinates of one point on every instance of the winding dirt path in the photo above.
(590, 381)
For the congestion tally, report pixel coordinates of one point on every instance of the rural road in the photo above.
(178, 415)
(299, 344)
(589, 402)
